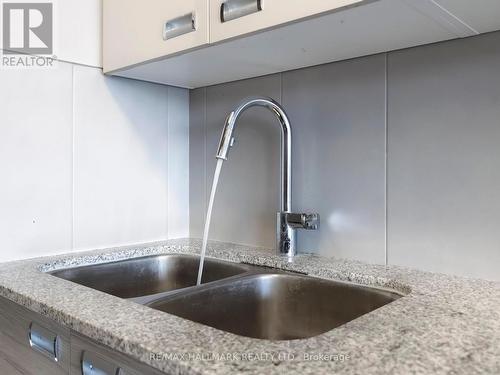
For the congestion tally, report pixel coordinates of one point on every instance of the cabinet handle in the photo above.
(94, 365)
(44, 341)
(179, 26)
(232, 9)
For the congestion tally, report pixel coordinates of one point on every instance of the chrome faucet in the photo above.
(287, 222)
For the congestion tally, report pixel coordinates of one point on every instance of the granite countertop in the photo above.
(443, 325)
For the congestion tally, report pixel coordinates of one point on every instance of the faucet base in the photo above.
(285, 236)
(287, 223)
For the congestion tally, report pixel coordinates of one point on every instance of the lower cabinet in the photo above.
(88, 356)
(33, 345)
(9, 368)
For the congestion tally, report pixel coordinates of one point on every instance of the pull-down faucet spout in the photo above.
(286, 143)
(287, 221)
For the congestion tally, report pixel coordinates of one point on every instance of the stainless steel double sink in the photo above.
(242, 299)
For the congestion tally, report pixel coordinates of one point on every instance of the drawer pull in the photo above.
(232, 9)
(93, 364)
(44, 341)
(179, 26)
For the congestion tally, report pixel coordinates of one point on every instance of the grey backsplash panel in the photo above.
(444, 157)
(438, 107)
(197, 170)
(337, 113)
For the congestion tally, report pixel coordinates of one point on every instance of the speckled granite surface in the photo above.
(444, 324)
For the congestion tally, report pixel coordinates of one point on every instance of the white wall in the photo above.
(89, 161)
(78, 30)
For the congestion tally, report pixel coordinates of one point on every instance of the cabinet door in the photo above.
(272, 13)
(8, 368)
(23, 354)
(134, 30)
(87, 354)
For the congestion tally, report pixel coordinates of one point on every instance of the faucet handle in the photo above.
(303, 221)
(311, 221)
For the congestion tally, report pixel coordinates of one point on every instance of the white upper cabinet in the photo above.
(196, 43)
(233, 18)
(137, 31)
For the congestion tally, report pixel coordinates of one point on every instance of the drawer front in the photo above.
(90, 358)
(136, 31)
(31, 344)
(244, 16)
(9, 368)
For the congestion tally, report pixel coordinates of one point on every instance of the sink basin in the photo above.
(238, 298)
(146, 276)
(276, 306)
